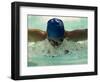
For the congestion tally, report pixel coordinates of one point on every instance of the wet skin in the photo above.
(35, 35)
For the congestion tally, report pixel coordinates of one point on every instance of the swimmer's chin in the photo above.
(54, 46)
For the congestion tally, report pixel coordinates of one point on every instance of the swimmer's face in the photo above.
(55, 43)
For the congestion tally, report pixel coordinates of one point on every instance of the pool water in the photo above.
(42, 53)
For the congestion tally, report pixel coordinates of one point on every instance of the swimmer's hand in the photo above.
(35, 35)
(77, 35)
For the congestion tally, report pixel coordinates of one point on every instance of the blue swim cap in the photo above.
(55, 29)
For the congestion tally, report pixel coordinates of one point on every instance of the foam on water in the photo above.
(42, 53)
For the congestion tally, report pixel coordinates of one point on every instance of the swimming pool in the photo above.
(42, 53)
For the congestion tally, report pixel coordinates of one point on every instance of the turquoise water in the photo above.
(58, 60)
(39, 56)
(70, 23)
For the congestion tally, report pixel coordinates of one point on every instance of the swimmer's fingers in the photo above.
(36, 35)
(77, 35)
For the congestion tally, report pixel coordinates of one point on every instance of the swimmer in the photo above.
(56, 33)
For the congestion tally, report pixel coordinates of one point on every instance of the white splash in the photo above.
(43, 53)
(45, 48)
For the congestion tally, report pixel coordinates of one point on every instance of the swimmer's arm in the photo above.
(77, 35)
(36, 35)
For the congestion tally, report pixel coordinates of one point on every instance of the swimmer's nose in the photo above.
(55, 43)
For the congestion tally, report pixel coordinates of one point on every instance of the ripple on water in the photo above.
(69, 53)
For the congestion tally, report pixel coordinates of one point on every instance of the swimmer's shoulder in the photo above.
(36, 35)
(76, 35)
